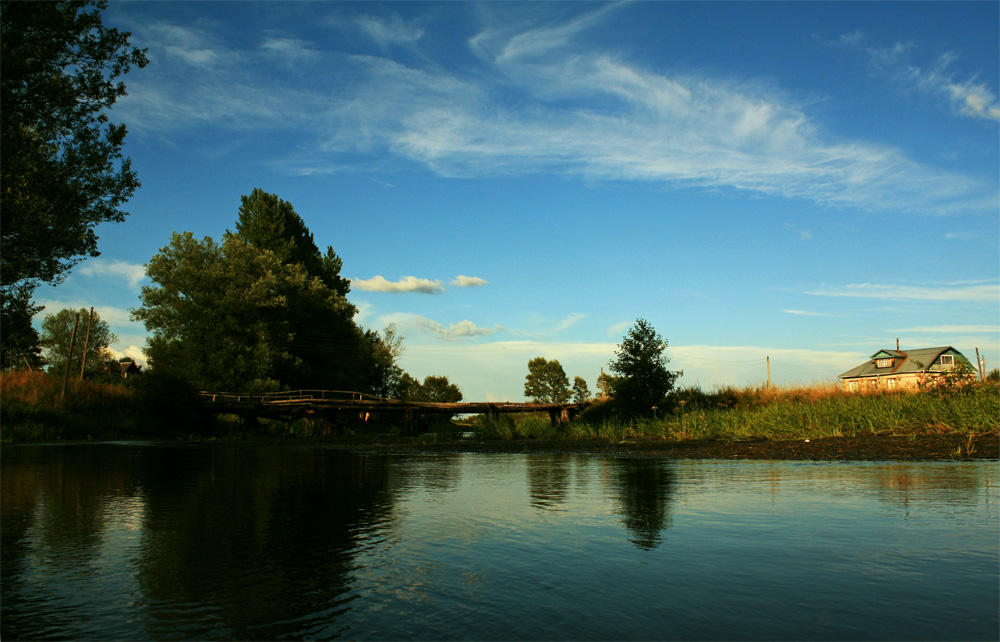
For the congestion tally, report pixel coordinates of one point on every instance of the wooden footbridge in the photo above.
(339, 407)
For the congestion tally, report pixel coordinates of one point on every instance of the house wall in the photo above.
(887, 383)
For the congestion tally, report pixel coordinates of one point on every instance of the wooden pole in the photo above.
(86, 343)
(768, 373)
(23, 356)
(69, 357)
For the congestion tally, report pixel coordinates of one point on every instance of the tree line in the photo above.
(639, 386)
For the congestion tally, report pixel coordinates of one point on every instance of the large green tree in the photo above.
(62, 171)
(641, 365)
(228, 316)
(581, 392)
(546, 382)
(57, 336)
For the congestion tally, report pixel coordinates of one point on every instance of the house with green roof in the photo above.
(901, 369)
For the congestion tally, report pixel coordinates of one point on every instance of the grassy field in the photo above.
(731, 414)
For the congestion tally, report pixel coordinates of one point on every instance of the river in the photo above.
(122, 541)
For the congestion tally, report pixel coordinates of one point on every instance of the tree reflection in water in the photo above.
(548, 480)
(643, 490)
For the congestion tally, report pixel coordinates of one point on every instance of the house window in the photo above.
(947, 360)
(890, 384)
(852, 385)
(883, 363)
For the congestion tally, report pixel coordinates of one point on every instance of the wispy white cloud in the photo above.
(807, 313)
(619, 329)
(979, 293)
(570, 321)
(584, 111)
(955, 329)
(463, 281)
(288, 51)
(196, 47)
(379, 283)
(509, 43)
(132, 273)
(390, 29)
(967, 97)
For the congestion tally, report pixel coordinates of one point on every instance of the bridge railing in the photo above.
(287, 396)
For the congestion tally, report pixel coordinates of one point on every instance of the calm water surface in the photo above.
(135, 541)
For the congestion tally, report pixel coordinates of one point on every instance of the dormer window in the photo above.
(947, 360)
(883, 363)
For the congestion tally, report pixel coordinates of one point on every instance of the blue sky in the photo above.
(804, 181)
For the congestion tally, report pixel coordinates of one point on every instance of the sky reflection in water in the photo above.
(135, 542)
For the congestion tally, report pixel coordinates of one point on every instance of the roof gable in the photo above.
(908, 362)
(888, 354)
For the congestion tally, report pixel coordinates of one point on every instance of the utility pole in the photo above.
(603, 396)
(769, 373)
(69, 357)
(86, 342)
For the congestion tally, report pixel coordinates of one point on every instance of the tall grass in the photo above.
(32, 407)
(802, 412)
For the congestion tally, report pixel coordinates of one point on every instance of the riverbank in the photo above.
(946, 447)
(814, 423)
(856, 448)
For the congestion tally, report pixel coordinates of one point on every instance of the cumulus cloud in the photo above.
(132, 273)
(134, 352)
(462, 330)
(378, 283)
(977, 293)
(468, 281)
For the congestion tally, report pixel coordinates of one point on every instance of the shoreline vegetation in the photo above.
(817, 421)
